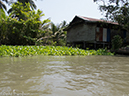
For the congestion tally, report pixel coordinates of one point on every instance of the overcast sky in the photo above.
(59, 10)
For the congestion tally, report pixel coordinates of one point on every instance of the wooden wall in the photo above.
(81, 32)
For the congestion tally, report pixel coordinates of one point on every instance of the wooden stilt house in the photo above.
(93, 33)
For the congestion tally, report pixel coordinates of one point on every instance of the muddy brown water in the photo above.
(64, 76)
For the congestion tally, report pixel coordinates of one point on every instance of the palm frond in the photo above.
(2, 5)
(32, 4)
(10, 10)
(5, 1)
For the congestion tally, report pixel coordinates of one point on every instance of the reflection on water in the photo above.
(64, 76)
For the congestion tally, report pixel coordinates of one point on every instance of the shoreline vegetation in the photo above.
(21, 51)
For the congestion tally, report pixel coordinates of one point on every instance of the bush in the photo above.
(117, 42)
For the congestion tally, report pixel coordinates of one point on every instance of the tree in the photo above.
(19, 9)
(55, 34)
(2, 17)
(32, 4)
(24, 30)
(58, 34)
(116, 10)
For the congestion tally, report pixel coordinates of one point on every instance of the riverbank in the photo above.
(17, 51)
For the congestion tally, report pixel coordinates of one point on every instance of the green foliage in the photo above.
(22, 27)
(2, 18)
(17, 51)
(31, 2)
(2, 15)
(59, 35)
(55, 35)
(116, 42)
(23, 12)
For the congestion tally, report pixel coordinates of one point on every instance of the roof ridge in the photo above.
(95, 20)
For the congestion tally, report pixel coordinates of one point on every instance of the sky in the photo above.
(60, 10)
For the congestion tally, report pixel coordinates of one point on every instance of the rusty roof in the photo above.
(96, 20)
(87, 19)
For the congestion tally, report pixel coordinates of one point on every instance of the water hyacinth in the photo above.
(16, 51)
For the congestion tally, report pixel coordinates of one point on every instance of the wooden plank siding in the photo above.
(81, 32)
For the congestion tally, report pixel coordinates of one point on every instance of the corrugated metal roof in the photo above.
(96, 20)
(87, 19)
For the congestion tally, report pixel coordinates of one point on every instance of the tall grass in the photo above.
(16, 51)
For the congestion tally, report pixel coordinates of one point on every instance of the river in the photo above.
(64, 76)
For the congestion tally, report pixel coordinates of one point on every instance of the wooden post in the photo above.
(74, 44)
(103, 45)
(84, 44)
(94, 45)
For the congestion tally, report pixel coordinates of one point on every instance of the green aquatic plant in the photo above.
(16, 51)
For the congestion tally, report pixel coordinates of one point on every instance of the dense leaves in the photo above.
(17, 51)
(31, 2)
(22, 27)
(116, 42)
